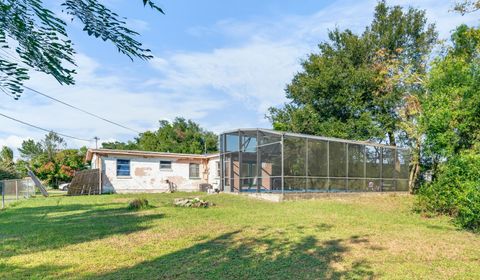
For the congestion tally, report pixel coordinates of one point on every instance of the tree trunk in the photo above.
(415, 170)
(413, 176)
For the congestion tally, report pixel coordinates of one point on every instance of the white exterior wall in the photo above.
(146, 175)
(213, 178)
(95, 162)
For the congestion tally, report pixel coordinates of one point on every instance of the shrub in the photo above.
(137, 204)
(455, 191)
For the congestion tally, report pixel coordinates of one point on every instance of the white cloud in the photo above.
(223, 88)
(112, 97)
(137, 24)
(254, 75)
(256, 71)
(12, 141)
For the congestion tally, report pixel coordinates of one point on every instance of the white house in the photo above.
(139, 171)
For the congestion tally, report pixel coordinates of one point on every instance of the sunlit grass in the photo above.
(239, 238)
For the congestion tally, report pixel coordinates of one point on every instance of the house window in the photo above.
(194, 171)
(123, 167)
(165, 164)
(218, 169)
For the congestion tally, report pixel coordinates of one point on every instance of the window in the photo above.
(194, 171)
(165, 164)
(218, 169)
(123, 167)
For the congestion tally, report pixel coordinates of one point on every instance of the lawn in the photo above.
(94, 237)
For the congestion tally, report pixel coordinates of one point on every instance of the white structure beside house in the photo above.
(139, 171)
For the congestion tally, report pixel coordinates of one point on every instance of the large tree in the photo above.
(50, 160)
(40, 39)
(451, 124)
(179, 136)
(342, 90)
(452, 109)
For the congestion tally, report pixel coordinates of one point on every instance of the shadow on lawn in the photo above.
(267, 256)
(34, 229)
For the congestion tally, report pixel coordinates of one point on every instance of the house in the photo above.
(140, 171)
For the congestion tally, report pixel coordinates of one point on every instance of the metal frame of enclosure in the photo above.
(263, 160)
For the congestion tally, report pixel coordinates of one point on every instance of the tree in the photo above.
(451, 122)
(6, 154)
(30, 149)
(40, 38)
(411, 84)
(117, 145)
(342, 92)
(49, 159)
(180, 136)
(452, 109)
(52, 144)
(7, 166)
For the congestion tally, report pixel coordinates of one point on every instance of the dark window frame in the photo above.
(123, 162)
(197, 170)
(164, 163)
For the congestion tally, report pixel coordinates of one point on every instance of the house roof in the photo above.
(145, 154)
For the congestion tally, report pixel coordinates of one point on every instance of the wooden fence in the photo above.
(85, 182)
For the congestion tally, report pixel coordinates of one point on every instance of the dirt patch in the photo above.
(121, 200)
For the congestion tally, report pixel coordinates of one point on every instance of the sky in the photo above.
(219, 63)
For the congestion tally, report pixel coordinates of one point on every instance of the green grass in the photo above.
(239, 238)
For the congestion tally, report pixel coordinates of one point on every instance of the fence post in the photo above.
(3, 195)
(16, 189)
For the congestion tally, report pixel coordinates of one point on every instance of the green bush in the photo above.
(137, 204)
(455, 191)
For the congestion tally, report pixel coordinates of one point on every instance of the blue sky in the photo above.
(220, 63)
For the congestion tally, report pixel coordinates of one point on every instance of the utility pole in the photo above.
(96, 141)
(204, 140)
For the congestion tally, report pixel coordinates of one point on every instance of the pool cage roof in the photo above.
(265, 160)
(292, 134)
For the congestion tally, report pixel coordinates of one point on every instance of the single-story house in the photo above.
(140, 171)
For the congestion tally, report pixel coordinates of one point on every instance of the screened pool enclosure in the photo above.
(262, 160)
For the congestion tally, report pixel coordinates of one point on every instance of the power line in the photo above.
(69, 105)
(37, 127)
(11, 56)
(80, 109)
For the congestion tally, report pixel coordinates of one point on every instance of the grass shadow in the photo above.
(26, 230)
(267, 256)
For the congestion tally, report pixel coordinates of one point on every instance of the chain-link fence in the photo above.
(13, 190)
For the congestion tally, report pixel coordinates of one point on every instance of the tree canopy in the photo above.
(50, 160)
(179, 136)
(386, 85)
(7, 167)
(40, 39)
(452, 109)
(343, 92)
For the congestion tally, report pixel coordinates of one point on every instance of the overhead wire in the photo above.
(80, 109)
(70, 105)
(44, 129)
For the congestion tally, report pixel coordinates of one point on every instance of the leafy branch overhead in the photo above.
(467, 6)
(34, 37)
